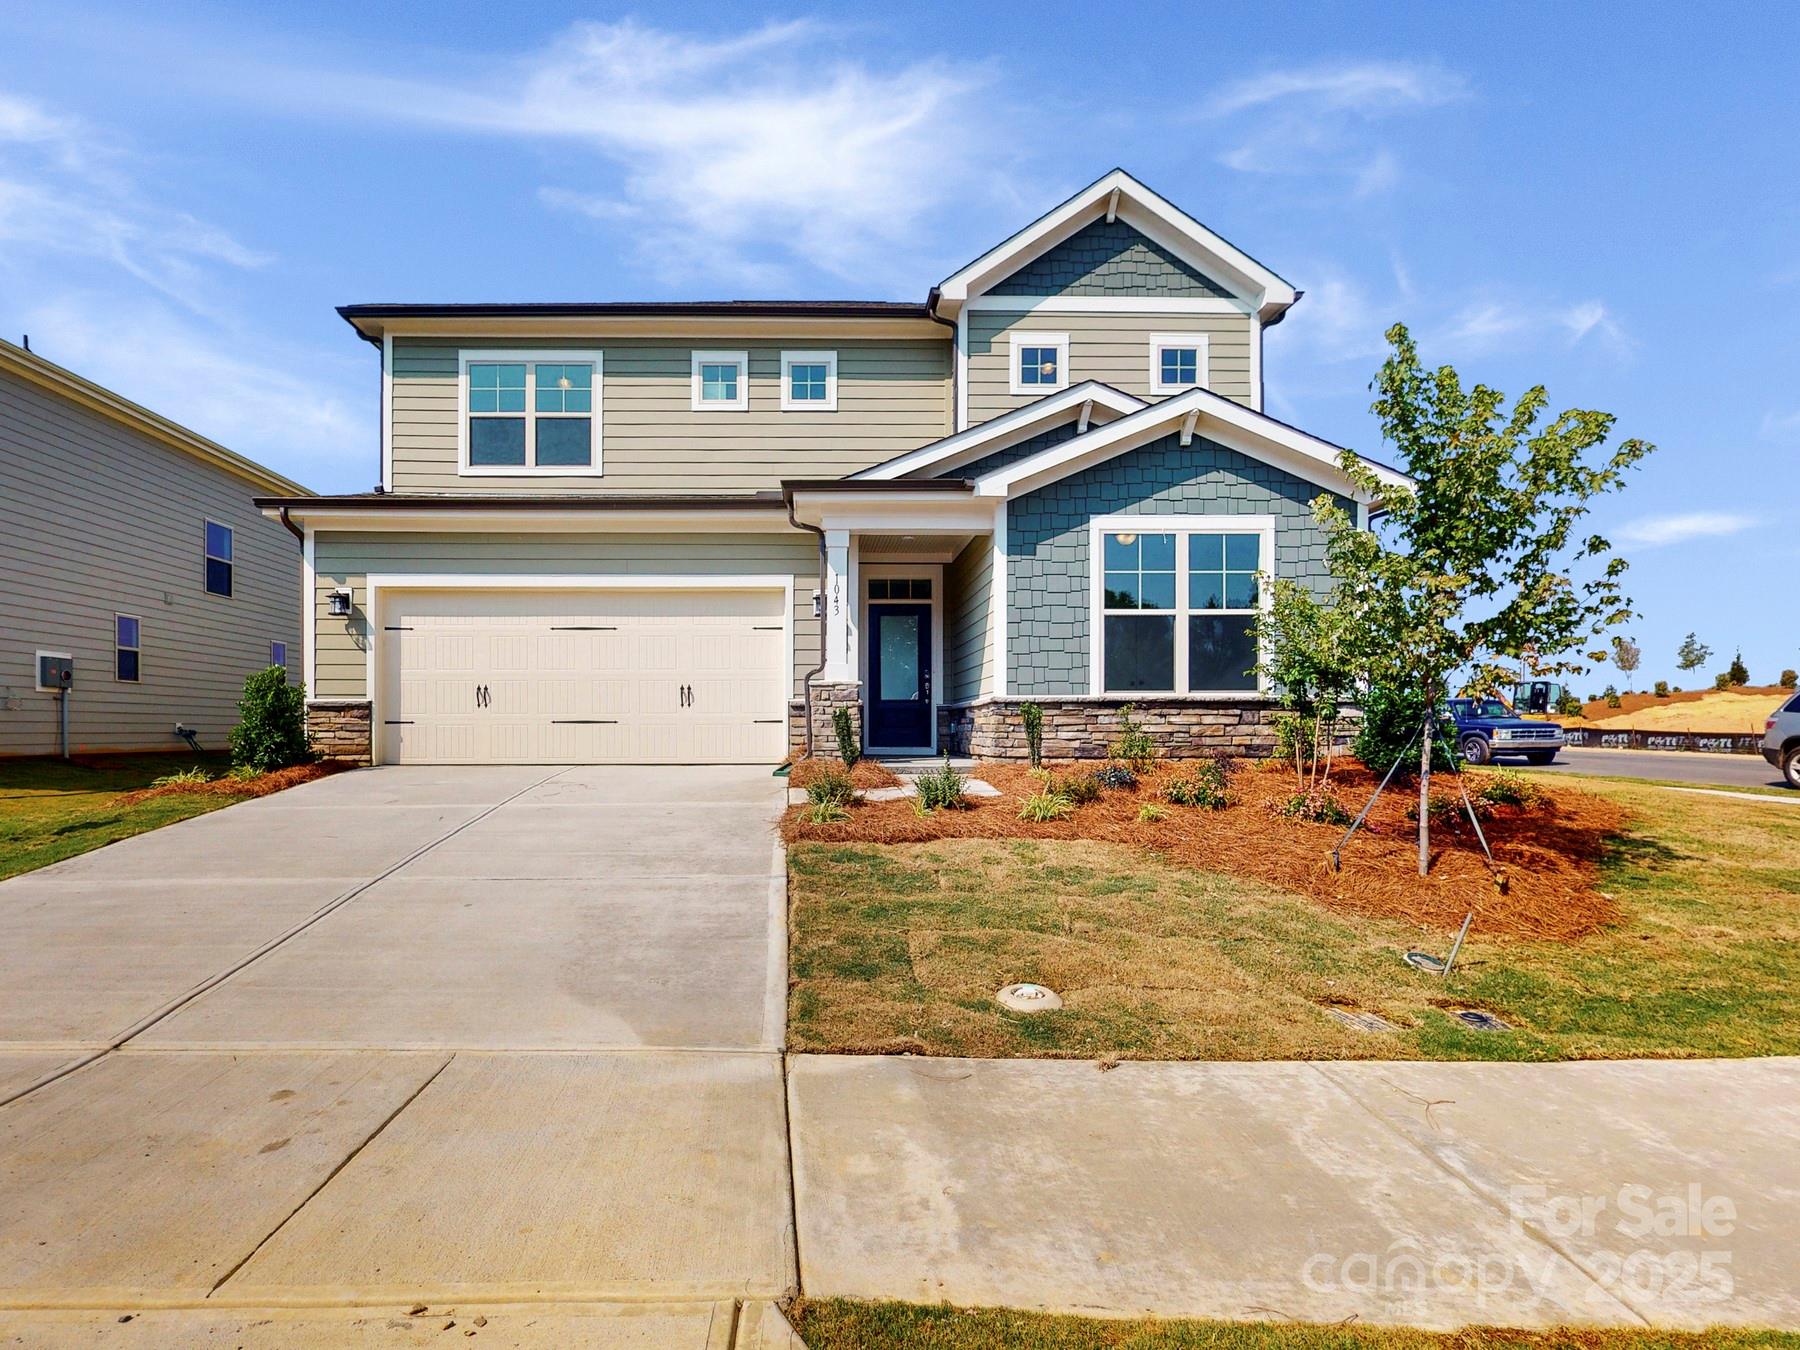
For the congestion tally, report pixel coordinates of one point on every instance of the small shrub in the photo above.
(1149, 813)
(1320, 807)
(1737, 671)
(1569, 706)
(1503, 787)
(1115, 776)
(940, 790)
(827, 813)
(1661, 688)
(245, 772)
(186, 778)
(843, 726)
(1722, 680)
(832, 787)
(1448, 812)
(1081, 789)
(1611, 695)
(1201, 783)
(1294, 740)
(271, 729)
(1040, 807)
(1389, 732)
(1134, 745)
(1033, 716)
(1789, 679)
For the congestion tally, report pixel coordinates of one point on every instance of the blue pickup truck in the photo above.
(1486, 729)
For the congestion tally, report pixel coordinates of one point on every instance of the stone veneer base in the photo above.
(1084, 728)
(341, 729)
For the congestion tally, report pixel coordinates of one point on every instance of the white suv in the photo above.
(1781, 740)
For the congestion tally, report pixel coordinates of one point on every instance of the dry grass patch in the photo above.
(839, 1324)
(899, 948)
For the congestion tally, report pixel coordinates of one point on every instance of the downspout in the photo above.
(292, 528)
(807, 679)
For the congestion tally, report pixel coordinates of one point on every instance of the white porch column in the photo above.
(839, 598)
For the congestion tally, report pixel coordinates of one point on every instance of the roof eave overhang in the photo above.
(374, 323)
(905, 505)
(1007, 429)
(763, 511)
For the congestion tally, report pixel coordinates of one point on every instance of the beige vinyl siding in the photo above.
(1111, 348)
(893, 396)
(347, 558)
(97, 519)
(968, 648)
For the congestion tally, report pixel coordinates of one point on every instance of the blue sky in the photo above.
(1599, 199)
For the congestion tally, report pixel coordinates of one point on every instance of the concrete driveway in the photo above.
(405, 1035)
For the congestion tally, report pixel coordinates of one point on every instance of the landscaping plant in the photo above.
(185, 778)
(1692, 654)
(1788, 679)
(1041, 807)
(1320, 807)
(832, 787)
(1149, 813)
(1202, 783)
(1116, 776)
(941, 789)
(271, 729)
(1033, 716)
(1737, 672)
(843, 726)
(1477, 559)
(1388, 737)
(1304, 656)
(1134, 745)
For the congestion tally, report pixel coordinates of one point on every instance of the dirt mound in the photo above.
(260, 786)
(1548, 853)
(867, 773)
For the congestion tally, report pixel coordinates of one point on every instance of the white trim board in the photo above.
(1105, 304)
(1007, 429)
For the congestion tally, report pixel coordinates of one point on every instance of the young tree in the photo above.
(1626, 655)
(1692, 653)
(1480, 553)
(1736, 672)
(1302, 642)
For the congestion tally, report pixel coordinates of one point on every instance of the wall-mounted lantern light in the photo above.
(340, 604)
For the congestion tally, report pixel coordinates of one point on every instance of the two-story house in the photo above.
(687, 532)
(139, 584)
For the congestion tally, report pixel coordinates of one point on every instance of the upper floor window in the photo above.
(809, 381)
(278, 654)
(721, 381)
(1040, 362)
(1178, 604)
(1177, 362)
(218, 558)
(529, 412)
(126, 636)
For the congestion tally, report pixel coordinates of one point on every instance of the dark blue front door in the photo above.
(899, 676)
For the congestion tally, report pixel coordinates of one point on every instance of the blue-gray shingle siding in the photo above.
(1103, 259)
(1013, 453)
(1047, 543)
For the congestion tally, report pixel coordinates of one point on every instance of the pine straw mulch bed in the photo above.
(1549, 853)
(260, 786)
(866, 774)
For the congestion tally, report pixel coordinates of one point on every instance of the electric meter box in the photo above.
(55, 672)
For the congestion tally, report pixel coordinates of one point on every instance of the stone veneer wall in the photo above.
(825, 698)
(1083, 728)
(341, 729)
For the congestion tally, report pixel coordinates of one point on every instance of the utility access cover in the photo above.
(1358, 1020)
(1478, 1020)
(1028, 998)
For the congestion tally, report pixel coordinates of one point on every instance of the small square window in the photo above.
(1177, 362)
(278, 654)
(1039, 365)
(721, 381)
(809, 381)
(1040, 362)
(218, 559)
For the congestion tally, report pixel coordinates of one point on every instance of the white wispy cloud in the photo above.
(1319, 119)
(737, 156)
(1777, 423)
(1680, 527)
(1495, 323)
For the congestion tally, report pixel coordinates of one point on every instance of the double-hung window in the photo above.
(127, 636)
(531, 412)
(1040, 362)
(1177, 600)
(1177, 362)
(720, 381)
(278, 654)
(218, 558)
(809, 381)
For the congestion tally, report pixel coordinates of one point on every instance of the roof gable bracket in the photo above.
(1087, 412)
(1112, 206)
(1187, 427)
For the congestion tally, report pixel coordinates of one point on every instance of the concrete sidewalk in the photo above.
(1432, 1195)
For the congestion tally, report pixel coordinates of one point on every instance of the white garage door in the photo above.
(583, 677)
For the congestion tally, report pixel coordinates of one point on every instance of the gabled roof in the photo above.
(1203, 413)
(1007, 429)
(1119, 195)
(28, 365)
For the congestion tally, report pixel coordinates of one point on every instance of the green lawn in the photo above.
(901, 947)
(840, 1324)
(51, 809)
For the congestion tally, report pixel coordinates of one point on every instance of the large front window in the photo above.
(528, 415)
(1178, 603)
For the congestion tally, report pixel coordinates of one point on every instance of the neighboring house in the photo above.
(131, 548)
(688, 532)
